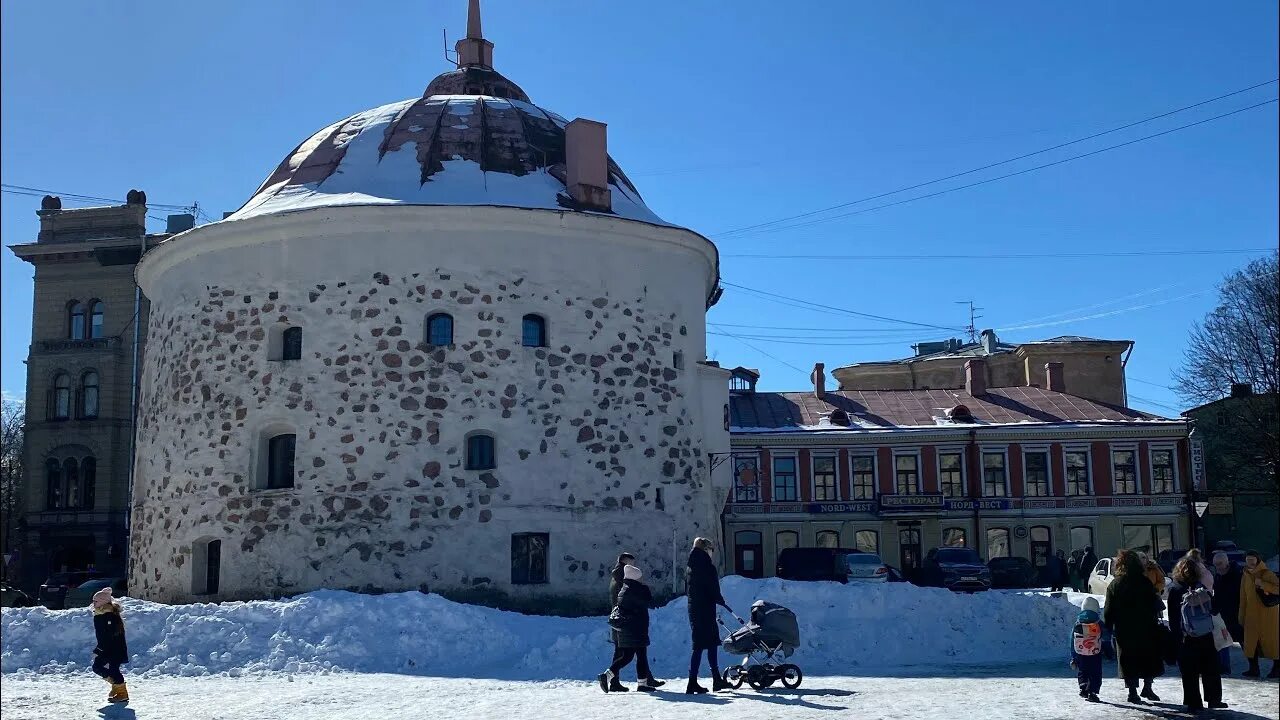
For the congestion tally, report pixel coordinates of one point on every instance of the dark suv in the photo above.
(955, 568)
(53, 593)
(814, 564)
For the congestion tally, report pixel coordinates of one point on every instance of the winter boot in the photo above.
(1218, 706)
(694, 688)
(615, 685)
(1253, 670)
(1093, 697)
(1084, 693)
(119, 693)
(1133, 697)
(1275, 670)
(652, 682)
(718, 683)
(1148, 693)
(648, 685)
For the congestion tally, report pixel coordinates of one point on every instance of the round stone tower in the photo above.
(446, 345)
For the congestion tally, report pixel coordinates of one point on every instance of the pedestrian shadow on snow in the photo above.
(117, 712)
(703, 699)
(1172, 711)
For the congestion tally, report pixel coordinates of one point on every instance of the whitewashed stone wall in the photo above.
(602, 441)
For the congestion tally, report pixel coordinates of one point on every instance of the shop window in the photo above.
(746, 479)
(1150, 539)
(89, 395)
(951, 475)
(867, 541)
(1163, 476)
(824, 479)
(1041, 545)
(1081, 537)
(787, 539)
(908, 474)
(206, 567)
(1077, 464)
(533, 331)
(480, 452)
(864, 477)
(995, 480)
(997, 542)
(529, 558)
(1036, 473)
(955, 537)
(828, 539)
(785, 487)
(440, 329)
(1124, 470)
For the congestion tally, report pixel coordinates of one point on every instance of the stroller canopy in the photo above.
(770, 624)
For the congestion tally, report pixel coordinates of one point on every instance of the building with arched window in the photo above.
(491, 398)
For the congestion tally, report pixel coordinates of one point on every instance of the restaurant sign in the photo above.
(910, 503)
(989, 504)
(865, 506)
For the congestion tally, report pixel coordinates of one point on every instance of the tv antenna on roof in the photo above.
(444, 33)
(972, 327)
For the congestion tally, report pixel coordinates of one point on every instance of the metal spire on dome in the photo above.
(474, 50)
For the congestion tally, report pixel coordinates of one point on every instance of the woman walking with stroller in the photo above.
(703, 584)
(630, 623)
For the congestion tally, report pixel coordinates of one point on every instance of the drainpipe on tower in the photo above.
(133, 404)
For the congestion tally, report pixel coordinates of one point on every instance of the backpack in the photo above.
(1197, 613)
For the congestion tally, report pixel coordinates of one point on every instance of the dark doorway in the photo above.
(72, 556)
(1041, 549)
(748, 554)
(909, 549)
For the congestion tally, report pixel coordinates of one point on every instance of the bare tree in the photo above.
(13, 416)
(1236, 344)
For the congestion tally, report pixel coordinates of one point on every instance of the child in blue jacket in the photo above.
(1086, 650)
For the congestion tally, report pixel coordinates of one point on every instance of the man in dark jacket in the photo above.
(615, 577)
(703, 585)
(630, 622)
(1226, 602)
(1087, 563)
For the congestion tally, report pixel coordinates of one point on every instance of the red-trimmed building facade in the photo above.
(1023, 471)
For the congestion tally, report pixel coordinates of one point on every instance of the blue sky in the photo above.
(725, 121)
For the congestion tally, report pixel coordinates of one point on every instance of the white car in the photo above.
(1101, 577)
(866, 567)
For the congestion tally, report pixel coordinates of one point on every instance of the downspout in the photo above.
(133, 402)
(1124, 362)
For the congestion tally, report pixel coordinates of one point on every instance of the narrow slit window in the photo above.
(291, 344)
(533, 331)
(480, 452)
(280, 456)
(440, 329)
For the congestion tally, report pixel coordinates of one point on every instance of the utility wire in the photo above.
(845, 311)
(1004, 256)
(819, 329)
(1149, 401)
(757, 338)
(38, 192)
(762, 352)
(771, 226)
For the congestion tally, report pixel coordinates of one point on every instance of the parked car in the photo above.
(866, 567)
(814, 564)
(955, 568)
(53, 593)
(1013, 572)
(81, 595)
(893, 574)
(13, 597)
(1166, 559)
(1100, 577)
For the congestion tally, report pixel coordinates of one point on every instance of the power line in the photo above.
(810, 341)
(761, 228)
(845, 311)
(1003, 256)
(1107, 313)
(38, 192)
(762, 352)
(819, 329)
(1149, 401)
(1152, 384)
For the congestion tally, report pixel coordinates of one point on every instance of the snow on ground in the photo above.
(868, 651)
(843, 628)
(1024, 692)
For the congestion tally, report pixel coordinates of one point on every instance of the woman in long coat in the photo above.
(631, 633)
(1261, 623)
(616, 579)
(703, 585)
(1131, 612)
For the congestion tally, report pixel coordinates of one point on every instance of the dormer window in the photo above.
(743, 380)
(839, 417)
(960, 414)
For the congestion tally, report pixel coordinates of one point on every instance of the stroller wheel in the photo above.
(734, 675)
(791, 675)
(757, 678)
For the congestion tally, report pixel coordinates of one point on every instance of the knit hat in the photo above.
(103, 597)
(1090, 604)
(631, 572)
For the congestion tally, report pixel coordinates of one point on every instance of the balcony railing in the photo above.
(64, 518)
(67, 345)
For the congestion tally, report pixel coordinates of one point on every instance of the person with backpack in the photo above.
(1086, 650)
(1191, 626)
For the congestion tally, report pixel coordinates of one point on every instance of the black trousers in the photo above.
(695, 662)
(623, 656)
(1198, 664)
(1089, 673)
(109, 670)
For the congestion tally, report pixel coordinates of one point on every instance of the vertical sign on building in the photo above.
(1197, 464)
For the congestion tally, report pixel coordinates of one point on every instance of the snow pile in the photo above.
(843, 628)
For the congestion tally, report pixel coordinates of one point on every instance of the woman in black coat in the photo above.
(1131, 612)
(703, 585)
(630, 623)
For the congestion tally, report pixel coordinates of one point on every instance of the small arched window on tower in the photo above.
(206, 566)
(440, 329)
(533, 331)
(60, 397)
(89, 395)
(75, 320)
(276, 459)
(480, 452)
(292, 344)
(97, 318)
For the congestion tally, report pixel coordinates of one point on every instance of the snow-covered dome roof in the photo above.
(473, 138)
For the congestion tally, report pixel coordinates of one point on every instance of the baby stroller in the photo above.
(770, 637)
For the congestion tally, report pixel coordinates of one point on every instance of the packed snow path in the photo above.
(1048, 692)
